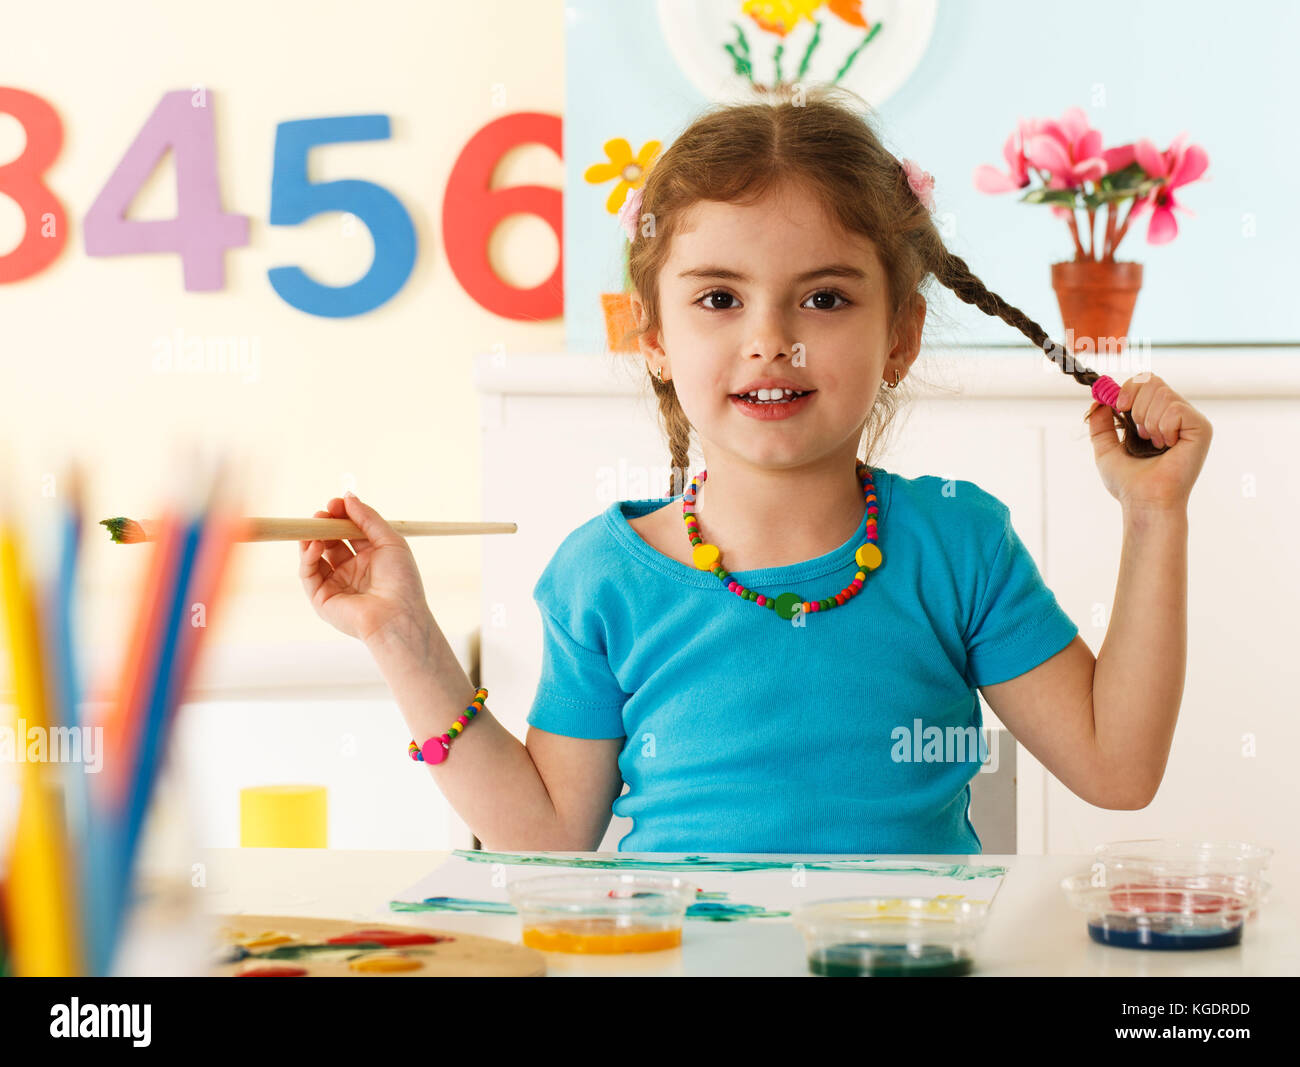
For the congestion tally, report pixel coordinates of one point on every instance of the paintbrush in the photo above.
(131, 531)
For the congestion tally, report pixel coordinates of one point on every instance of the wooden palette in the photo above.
(280, 946)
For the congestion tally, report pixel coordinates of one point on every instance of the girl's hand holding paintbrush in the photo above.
(368, 588)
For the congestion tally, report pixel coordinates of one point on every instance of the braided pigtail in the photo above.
(678, 428)
(953, 272)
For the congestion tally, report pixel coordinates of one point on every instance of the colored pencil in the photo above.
(122, 728)
(221, 531)
(150, 743)
(139, 666)
(38, 886)
(59, 916)
(64, 689)
(4, 922)
(208, 534)
(132, 531)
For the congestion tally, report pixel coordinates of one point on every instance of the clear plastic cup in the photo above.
(602, 912)
(1188, 858)
(880, 936)
(1133, 908)
(1232, 867)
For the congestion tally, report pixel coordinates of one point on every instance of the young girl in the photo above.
(784, 657)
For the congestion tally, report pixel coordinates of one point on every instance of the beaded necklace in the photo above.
(708, 557)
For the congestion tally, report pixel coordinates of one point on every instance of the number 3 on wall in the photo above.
(20, 179)
(294, 199)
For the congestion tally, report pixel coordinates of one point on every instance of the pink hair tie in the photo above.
(921, 182)
(630, 213)
(1105, 390)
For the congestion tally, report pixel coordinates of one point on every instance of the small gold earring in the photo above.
(894, 383)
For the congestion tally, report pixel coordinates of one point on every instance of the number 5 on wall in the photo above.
(294, 199)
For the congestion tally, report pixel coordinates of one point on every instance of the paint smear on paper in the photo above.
(716, 910)
(704, 863)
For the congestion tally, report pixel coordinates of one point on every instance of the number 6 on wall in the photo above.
(294, 199)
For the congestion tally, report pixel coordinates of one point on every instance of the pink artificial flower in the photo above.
(991, 180)
(922, 183)
(1069, 150)
(630, 213)
(1118, 158)
(1178, 165)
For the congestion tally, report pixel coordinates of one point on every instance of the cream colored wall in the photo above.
(383, 402)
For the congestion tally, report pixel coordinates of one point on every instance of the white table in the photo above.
(1031, 929)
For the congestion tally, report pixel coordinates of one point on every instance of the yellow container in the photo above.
(283, 816)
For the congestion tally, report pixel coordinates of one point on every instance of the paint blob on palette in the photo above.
(282, 946)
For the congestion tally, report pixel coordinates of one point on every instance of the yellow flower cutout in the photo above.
(782, 16)
(630, 170)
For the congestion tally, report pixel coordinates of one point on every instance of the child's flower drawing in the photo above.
(781, 18)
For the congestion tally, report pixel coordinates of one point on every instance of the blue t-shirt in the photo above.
(748, 733)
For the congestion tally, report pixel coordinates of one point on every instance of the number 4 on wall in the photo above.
(201, 232)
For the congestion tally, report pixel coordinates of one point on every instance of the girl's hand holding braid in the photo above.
(1154, 483)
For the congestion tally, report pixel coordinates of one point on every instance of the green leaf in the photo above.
(1125, 178)
(1111, 193)
(1064, 197)
(1130, 181)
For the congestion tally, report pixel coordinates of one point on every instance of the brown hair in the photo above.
(813, 135)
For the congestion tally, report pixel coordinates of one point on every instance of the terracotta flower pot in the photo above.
(1097, 301)
(619, 321)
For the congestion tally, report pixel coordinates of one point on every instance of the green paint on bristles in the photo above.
(115, 527)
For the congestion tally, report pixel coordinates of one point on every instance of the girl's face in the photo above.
(776, 291)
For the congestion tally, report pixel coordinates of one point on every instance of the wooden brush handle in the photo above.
(260, 529)
(346, 529)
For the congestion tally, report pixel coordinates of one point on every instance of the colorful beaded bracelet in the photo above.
(435, 749)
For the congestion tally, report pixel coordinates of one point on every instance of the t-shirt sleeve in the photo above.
(1017, 622)
(577, 695)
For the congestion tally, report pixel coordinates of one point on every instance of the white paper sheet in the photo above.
(772, 886)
